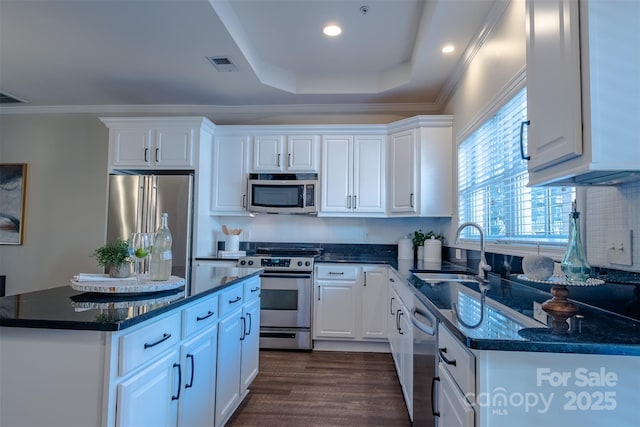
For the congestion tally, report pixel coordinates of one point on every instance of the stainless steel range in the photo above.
(285, 297)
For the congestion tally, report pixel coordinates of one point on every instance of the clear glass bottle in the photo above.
(574, 264)
(161, 256)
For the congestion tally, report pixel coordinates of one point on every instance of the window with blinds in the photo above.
(492, 191)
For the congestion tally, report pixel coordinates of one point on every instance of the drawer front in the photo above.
(230, 299)
(199, 316)
(144, 344)
(251, 289)
(458, 360)
(337, 271)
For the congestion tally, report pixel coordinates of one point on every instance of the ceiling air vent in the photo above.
(5, 98)
(222, 63)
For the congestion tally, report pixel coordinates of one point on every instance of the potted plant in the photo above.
(418, 241)
(114, 256)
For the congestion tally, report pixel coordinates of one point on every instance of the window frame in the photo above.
(517, 247)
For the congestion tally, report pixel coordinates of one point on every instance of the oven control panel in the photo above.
(277, 263)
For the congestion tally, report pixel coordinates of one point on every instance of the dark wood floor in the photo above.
(323, 389)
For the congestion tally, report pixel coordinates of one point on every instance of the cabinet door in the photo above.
(368, 174)
(229, 180)
(250, 344)
(131, 147)
(374, 303)
(406, 354)
(302, 153)
(229, 358)
(553, 82)
(268, 154)
(337, 170)
(392, 325)
(150, 398)
(198, 361)
(403, 173)
(454, 409)
(335, 309)
(173, 147)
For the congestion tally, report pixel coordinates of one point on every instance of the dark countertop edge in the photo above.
(119, 325)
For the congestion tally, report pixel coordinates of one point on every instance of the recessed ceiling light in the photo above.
(448, 49)
(332, 30)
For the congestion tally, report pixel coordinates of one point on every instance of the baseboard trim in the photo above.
(355, 346)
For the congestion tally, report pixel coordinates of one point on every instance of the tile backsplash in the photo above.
(607, 209)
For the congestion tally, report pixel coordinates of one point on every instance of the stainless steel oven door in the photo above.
(285, 300)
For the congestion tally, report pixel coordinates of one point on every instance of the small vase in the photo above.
(574, 264)
(120, 271)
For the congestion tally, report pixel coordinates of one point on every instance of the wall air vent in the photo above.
(222, 64)
(5, 98)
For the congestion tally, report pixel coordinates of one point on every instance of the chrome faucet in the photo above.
(483, 267)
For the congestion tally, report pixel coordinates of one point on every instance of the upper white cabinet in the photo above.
(279, 153)
(353, 175)
(420, 167)
(229, 175)
(156, 142)
(582, 91)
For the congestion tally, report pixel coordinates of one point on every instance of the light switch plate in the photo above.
(618, 247)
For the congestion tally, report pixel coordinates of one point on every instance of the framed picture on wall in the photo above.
(13, 185)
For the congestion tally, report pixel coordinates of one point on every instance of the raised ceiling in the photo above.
(69, 53)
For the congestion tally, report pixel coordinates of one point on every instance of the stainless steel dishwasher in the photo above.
(424, 364)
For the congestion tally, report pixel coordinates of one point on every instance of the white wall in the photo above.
(65, 197)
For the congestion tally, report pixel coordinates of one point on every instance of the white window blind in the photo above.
(492, 189)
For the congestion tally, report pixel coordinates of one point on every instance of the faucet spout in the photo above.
(483, 266)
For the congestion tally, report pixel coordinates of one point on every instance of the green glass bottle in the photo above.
(574, 264)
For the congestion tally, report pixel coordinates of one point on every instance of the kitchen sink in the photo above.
(445, 277)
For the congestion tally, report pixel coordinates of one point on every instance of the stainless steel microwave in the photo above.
(283, 193)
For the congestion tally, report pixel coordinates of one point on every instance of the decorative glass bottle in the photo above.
(161, 256)
(574, 264)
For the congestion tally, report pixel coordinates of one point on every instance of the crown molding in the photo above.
(415, 108)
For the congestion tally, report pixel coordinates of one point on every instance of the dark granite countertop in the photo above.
(66, 308)
(592, 330)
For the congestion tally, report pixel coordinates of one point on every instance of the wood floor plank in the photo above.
(323, 389)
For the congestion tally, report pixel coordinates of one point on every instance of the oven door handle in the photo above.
(287, 275)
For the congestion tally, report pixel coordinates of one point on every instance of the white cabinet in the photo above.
(578, 54)
(150, 397)
(400, 334)
(454, 409)
(353, 175)
(374, 302)
(156, 142)
(350, 302)
(229, 175)
(238, 342)
(403, 172)
(279, 153)
(421, 167)
(335, 301)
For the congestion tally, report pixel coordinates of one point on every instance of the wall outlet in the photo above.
(618, 247)
(246, 236)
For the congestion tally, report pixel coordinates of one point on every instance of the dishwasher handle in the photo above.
(424, 320)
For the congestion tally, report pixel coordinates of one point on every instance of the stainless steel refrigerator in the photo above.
(136, 204)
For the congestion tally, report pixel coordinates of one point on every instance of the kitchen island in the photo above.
(70, 358)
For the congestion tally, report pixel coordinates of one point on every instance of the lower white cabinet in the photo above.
(198, 362)
(229, 356)
(150, 397)
(350, 302)
(454, 409)
(401, 335)
(250, 344)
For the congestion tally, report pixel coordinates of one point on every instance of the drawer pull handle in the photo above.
(177, 396)
(157, 155)
(244, 328)
(146, 155)
(391, 306)
(206, 316)
(249, 331)
(400, 313)
(193, 367)
(256, 289)
(433, 398)
(165, 337)
(442, 351)
(235, 300)
(334, 273)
